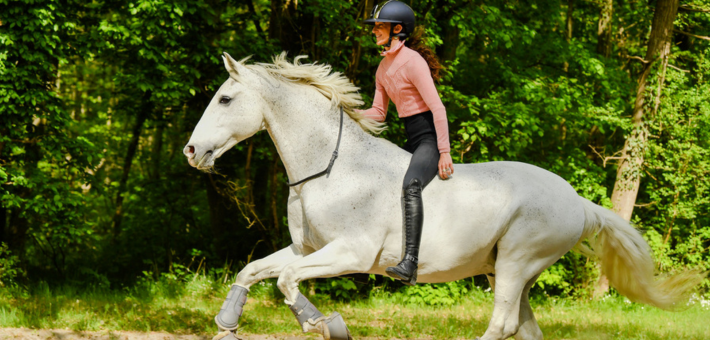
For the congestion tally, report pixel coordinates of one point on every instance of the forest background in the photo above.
(98, 98)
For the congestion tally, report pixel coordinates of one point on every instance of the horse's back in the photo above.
(489, 205)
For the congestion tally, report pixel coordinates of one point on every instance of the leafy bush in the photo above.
(436, 294)
(9, 272)
(338, 288)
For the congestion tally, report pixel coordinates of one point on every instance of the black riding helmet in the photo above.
(395, 12)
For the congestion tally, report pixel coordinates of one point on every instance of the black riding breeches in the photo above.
(421, 142)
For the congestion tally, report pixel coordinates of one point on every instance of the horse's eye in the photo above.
(224, 100)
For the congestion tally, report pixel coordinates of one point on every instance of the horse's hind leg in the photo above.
(508, 289)
(517, 268)
(529, 330)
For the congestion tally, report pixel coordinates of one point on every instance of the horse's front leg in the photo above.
(271, 266)
(335, 259)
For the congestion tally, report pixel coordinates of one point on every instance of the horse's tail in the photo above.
(626, 260)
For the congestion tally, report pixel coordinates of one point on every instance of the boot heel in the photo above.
(393, 273)
(412, 281)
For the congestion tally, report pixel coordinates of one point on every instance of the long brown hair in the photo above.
(417, 42)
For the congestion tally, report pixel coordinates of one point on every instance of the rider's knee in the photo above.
(412, 185)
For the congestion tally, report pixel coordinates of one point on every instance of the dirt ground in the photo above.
(61, 334)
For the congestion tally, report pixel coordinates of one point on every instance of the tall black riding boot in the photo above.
(406, 270)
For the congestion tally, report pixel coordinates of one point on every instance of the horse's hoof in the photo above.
(226, 335)
(336, 328)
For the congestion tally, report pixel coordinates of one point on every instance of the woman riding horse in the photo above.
(406, 75)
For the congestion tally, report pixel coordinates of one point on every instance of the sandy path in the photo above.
(61, 334)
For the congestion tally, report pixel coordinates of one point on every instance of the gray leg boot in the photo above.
(312, 320)
(232, 308)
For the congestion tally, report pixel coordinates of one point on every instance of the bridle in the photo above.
(332, 159)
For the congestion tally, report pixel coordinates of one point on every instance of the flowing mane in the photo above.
(333, 85)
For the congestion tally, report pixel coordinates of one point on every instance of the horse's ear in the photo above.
(232, 66)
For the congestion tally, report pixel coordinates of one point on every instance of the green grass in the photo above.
(190, 308)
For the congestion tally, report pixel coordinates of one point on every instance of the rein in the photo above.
(332, 159)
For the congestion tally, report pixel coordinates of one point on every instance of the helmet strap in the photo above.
(399, 36)
(389, 41)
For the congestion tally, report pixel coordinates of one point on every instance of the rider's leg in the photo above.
(422, 169)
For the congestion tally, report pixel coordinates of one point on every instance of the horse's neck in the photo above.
(304, 129)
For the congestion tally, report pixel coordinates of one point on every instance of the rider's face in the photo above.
(381, 30)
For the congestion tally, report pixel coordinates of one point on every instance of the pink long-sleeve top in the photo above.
(404, 76)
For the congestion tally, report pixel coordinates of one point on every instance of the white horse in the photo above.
(507, 220)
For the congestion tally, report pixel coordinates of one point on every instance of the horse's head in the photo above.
(235, 113)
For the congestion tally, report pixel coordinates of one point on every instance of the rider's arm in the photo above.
(419, 74)
(378, 111)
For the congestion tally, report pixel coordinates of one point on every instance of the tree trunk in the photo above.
(275, 19)
(450, 36)
(568, 28)
(568, 25)
(220, 218)
(628, 175)
(157, 151)
(143, 114)
(255, 18)
(3, 222)
(604, 48)
(604, 28)
(364, 13)
(282, 26)
(16, 233)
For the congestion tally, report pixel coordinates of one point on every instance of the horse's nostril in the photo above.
(192, 149)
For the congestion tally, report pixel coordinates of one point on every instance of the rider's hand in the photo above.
(445, 163)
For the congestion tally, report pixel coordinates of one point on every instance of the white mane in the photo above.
(333, 85)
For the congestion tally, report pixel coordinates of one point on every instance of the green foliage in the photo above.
(139, 309)
(98, 98)
(438, 294)
(9, 271)
(338, 288)
(676, 202)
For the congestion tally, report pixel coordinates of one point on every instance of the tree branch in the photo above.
(643, 205)
(690, 9)
(606, 158)
(678, 68)
(638, 58)
(693, 35)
